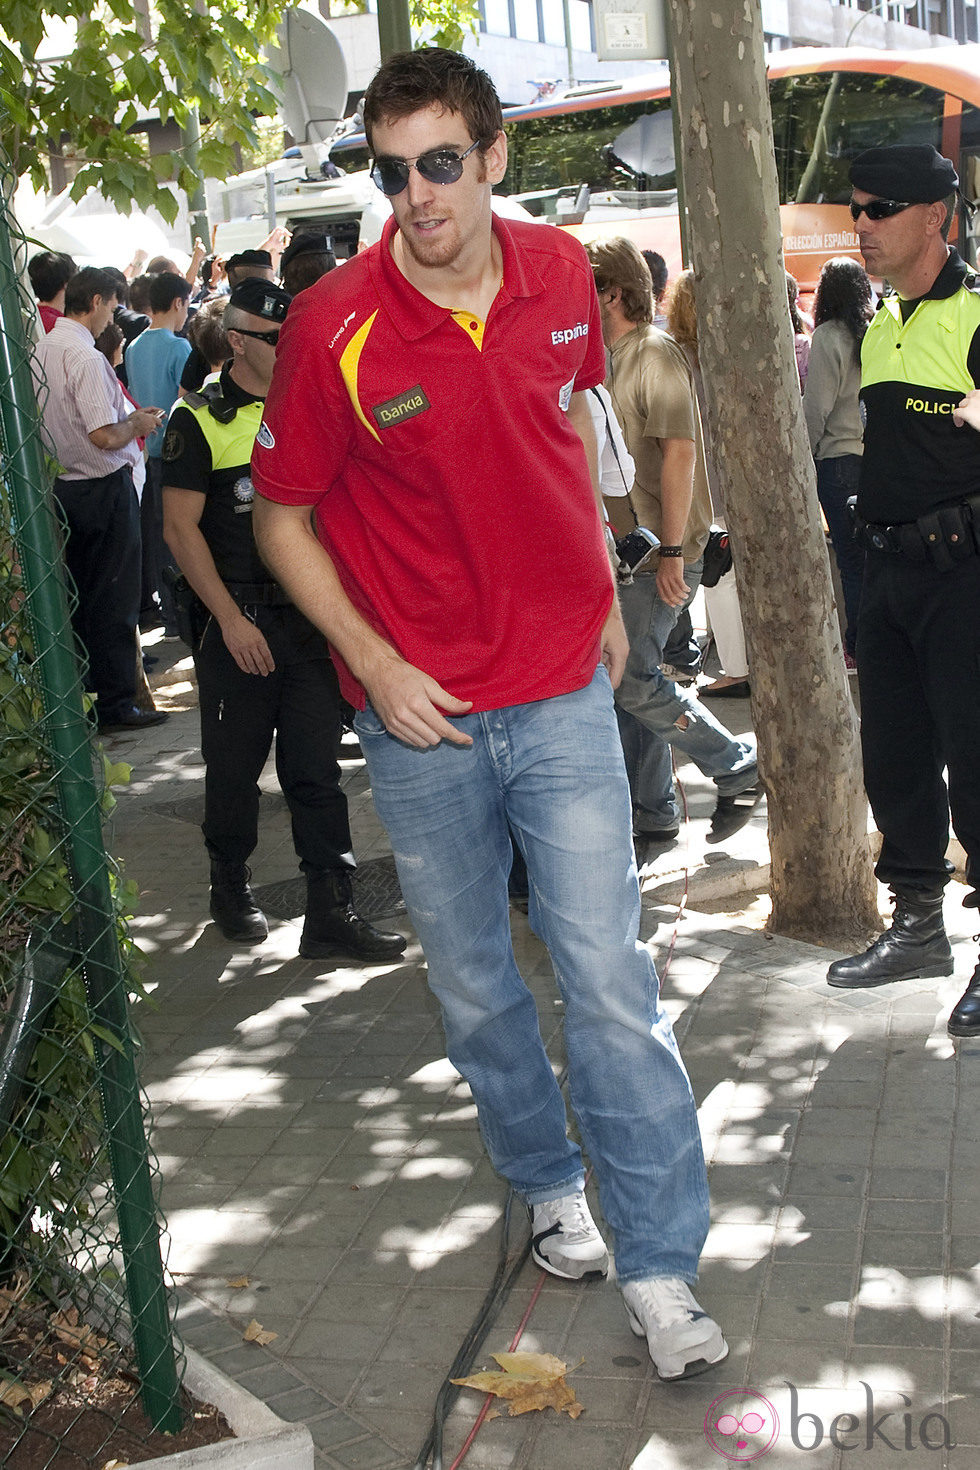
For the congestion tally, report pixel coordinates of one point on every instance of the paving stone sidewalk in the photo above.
(314, 1140)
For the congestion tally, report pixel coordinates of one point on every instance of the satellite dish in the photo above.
(312, 88)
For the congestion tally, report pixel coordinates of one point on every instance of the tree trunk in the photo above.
(822, 884)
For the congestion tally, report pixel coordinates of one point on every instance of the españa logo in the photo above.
(403, 406)
(568, 334)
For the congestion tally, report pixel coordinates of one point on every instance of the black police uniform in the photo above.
(918, 647)
(207, 449)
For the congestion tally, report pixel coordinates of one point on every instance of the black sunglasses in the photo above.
(440, 166)
(877, 209)
(271, 337)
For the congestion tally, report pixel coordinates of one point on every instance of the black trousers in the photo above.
(156, 553)
(918, 656)
(299, 705)
(102, 553)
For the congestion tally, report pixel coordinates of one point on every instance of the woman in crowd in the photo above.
(842, 308)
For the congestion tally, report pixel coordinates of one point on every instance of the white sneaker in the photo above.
(683, 1340)
(564, 1238)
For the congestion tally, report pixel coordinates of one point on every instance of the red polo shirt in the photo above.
(450, 489)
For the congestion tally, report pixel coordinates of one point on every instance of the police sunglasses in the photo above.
(877, 209)
(440, 166)
(271, 337)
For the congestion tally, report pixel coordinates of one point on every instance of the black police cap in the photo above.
(249, 257)
(307, 244)
(261, 298)
(914, 173)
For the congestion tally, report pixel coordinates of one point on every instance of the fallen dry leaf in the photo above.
(40, 1391)
(115, 1465)
(237, 1282)
(11, 1295)
(14, 1394)
(69, 1327)
(528, 1381)
(255, 1332)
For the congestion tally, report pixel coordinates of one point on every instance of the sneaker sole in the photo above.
(920, 972)
(691, 1369)
(594, 1273)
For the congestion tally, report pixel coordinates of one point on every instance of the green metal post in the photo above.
(394, 27)
(23, 472)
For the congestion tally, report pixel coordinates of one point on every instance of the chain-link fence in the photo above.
(86, 1341)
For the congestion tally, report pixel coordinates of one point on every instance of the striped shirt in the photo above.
(79, 393)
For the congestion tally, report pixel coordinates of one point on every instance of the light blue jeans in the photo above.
(649, 706)
(554, 771)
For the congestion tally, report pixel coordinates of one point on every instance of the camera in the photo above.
(633, 550)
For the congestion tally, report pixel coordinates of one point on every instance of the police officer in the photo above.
(918, 650)
(262, 668)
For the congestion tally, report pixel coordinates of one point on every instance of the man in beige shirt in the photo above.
(654, 399)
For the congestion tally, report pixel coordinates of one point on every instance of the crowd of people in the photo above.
(416, 461)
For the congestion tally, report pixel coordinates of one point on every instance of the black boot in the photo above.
(233, 906)
(964, 1018)
(915, 946)
(333, 926)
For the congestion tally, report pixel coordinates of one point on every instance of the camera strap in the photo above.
(612, 444)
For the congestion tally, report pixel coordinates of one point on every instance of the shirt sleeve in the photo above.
(96, 392)
(616, 467)
(593, 369)
(823, 385)
(186, 454)
(669, 394)
(308, 426)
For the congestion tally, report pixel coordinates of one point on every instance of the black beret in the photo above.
(249, 257)
(261, 298)
(306, 244)
(916, 173)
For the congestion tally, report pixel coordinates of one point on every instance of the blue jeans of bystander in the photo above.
(650, 705)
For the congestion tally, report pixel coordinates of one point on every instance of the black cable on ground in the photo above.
(500, 1289)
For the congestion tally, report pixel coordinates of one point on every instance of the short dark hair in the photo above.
(122, 285)
(139, 292)
(950, 203)
(618, 264)
(165, 289)
(411, 80)
(304, 270)
(161, 264)
(84, 286)
(657, 267)
(50, 271)
(110, 340)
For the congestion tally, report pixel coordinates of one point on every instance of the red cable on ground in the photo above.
(489, 1398)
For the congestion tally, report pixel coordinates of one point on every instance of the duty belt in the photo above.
(945, 536)
(255, 594)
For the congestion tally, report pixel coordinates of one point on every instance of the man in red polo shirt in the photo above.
(429, 403)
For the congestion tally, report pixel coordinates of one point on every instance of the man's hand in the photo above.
(671, 586)
(247, 646)
(967, 411)
(146, 420)
(614, 644)
(408, 702)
